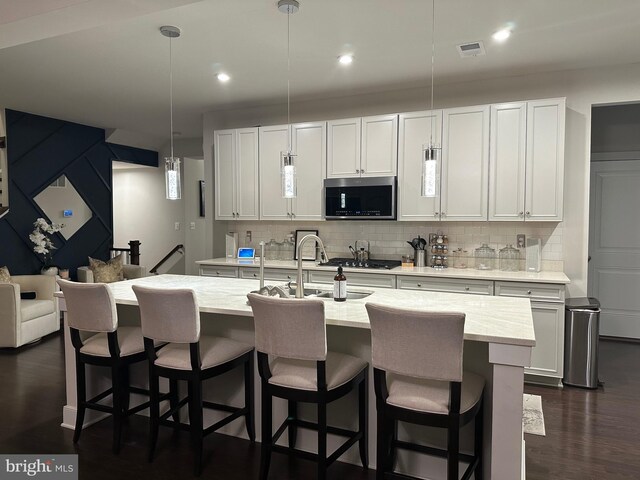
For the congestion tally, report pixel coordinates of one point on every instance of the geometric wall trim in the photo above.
(39, 150)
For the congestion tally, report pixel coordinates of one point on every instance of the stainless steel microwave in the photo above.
(364, 198)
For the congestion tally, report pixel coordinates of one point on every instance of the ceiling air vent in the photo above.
(472, 49)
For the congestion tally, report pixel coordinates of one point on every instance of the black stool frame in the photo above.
(389, 415)
(119, 390)
(322, 397)
(194, 379)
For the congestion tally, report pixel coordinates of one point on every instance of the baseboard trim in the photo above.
(69, 417)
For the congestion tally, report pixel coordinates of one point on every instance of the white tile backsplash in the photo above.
(388, 238)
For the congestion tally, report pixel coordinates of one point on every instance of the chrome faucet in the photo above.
(323, 254)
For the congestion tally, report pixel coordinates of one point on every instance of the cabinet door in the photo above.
(343, 148)
(247, 198)
(225, 179)
(507, 149)
(310, 143)
(545, 160)
(273, 206)
(379, 155)
(415, 130)
(547, 357)
(465, 163)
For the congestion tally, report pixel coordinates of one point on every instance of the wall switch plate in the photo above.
(176, 226)
(192, 226)
(521, 240)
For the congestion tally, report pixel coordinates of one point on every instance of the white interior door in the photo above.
(614, 246)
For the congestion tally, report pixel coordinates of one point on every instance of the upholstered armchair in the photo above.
(25, 321)
(130, 272)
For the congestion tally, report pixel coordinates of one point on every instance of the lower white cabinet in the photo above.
(452, 285)
(547, 309)
(355, 279)
(273, 274)
(218, 271)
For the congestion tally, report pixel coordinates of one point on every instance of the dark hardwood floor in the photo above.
(590, 434)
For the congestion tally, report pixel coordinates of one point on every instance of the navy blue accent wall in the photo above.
(39, 150)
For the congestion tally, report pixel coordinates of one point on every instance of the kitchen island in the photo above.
(498, 336)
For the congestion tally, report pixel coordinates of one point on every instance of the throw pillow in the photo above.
(5, 276)
(107, 272)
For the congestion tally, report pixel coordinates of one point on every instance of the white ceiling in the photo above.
(115, 73)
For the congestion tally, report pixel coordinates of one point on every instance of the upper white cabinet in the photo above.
(415, 129)
(362, 147)
(236, 174)
(465, 163)
(309, 143)
(545, 160)
(527, 161)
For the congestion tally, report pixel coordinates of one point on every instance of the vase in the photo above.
(49, 271)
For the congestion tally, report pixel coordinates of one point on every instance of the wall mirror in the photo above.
(62, 204)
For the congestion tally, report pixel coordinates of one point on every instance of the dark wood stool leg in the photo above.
(381, 447)
(248, 399)
(117, 396)
(174, 399)
(81, 398)
(267, 426)
(124, 385)
(195, 420)
(391, 439)
(322, 441)
(292, 429)
(363, 420)
(453, 447)
(478, 441)
(154, 411)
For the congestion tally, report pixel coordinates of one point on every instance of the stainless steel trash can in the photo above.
(581, 335)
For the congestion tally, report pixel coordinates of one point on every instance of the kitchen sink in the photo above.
(350, 295)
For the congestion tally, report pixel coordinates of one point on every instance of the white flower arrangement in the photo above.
(41, 238)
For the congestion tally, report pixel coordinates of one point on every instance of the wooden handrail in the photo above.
(166, 257)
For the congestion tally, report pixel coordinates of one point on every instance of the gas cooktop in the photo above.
(371, 263)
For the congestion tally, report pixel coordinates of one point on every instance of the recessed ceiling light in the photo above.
(502, 35)
(223, 77)
(345, 59)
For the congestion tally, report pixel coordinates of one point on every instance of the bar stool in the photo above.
(418, 377)
(293, 332)
(172, 315)
(91, 308)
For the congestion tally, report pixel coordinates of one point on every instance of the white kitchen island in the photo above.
(498, 339)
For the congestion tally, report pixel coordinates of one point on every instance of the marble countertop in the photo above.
(463, 273)
(504, 320)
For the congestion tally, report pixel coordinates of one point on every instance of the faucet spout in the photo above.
(323, 252)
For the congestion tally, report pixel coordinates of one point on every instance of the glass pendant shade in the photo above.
(172, 178)
(430, 174)
(288, 173)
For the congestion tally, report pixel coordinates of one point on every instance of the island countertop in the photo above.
(462, 273)
(503, 320)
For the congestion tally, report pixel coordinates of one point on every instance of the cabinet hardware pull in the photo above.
(420, 285)
(528, 292)
(442, 214)
(435, 214)
(521, 214)
(466, 288)
(255, 275)
(288, 277)
(528, 214)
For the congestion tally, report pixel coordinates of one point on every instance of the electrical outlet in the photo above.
(192, 226)
(248, 236)
(176, 226)
(521, 240)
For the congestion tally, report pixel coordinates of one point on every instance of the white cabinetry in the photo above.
(355, 279)
(362, 147)
(309, 144)
(414, 131)
(527, 161)
(465, 164)
(236, 174)
(547, 308)
(453, 285)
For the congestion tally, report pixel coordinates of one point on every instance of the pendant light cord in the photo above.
(433, 55)
(171, 97)
(288, 79)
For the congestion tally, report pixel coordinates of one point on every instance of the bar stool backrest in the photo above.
(290, 328)
(416, 343)
(90, 306)
(168, 314)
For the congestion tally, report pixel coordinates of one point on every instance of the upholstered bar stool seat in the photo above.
(302, 374)
(294, 364)
(92, 309)
(173, 316)
(432, 395)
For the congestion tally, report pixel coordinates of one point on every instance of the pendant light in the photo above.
(287, 158)
(171, 163)
(431, 152)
